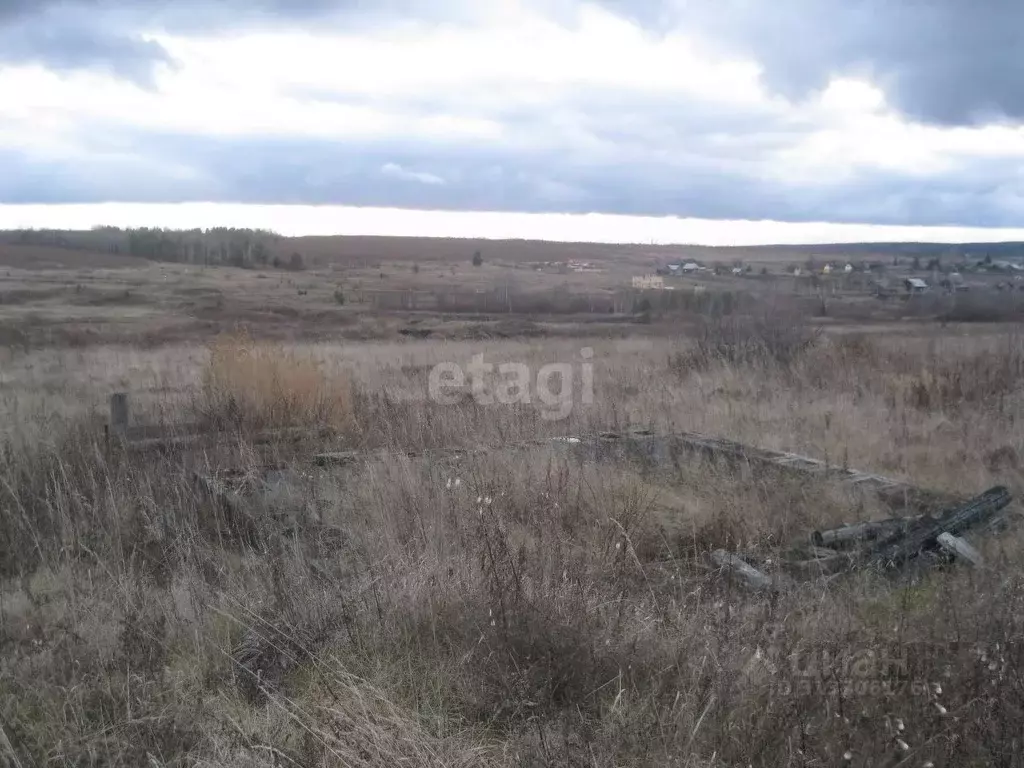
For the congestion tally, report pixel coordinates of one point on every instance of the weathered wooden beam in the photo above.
(735, 564)
(172, 443)
(338, 458)
(901, 546)
(119, 414)
(349, 458)
(956, 546)
(610, 446)
(822, 553)
(897, 494)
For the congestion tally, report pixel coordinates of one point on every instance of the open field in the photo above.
(506, 608)
(359, 289)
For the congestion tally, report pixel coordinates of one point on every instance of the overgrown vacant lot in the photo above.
(515, 607)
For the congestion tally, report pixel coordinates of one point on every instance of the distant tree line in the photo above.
(220, 246)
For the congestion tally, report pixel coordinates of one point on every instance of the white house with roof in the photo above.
(915, 285)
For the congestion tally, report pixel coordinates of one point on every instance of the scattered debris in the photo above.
(960, 548)
(882, 544)
(734, 563)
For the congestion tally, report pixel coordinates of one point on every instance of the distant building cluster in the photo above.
(874, 274)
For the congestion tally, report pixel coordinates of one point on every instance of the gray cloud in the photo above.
(149, 167)
(941, 61)
(633, 153)
(76, 36)
(107, 34)
(62, 46)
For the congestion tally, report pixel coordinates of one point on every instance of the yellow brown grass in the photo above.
(265, 384)
(515, 608)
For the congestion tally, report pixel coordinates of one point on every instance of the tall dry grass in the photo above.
(509, 609)
(259, 384)
(513, 608)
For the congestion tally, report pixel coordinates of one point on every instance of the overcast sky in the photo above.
(893, 112)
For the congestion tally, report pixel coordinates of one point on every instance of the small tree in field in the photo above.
(478, 259)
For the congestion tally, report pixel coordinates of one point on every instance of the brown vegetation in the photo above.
(233, 604)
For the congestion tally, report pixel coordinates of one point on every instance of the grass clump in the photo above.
(255, 384)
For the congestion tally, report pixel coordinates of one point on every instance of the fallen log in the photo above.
(901, 546)
(851, 535)
(959, 548)
(735, 564)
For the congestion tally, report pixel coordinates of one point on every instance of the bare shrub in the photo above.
(775, 335)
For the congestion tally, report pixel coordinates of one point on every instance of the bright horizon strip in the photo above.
(298, 220)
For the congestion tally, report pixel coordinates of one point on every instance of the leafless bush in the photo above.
(774, 335)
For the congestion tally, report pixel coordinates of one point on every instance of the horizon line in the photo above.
(330, 220)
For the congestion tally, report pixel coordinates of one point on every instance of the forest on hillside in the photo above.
(220, 246)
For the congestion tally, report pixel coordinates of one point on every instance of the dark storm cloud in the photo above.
(941, 61)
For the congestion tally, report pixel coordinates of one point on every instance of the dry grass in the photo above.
(514, 608)
(253, 384)
(510, 610)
